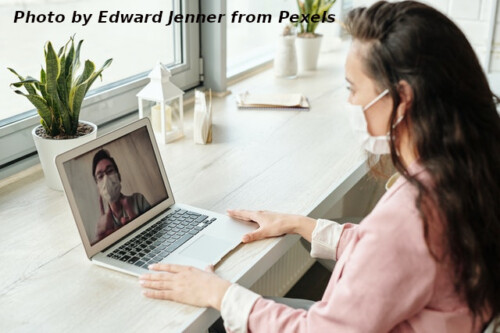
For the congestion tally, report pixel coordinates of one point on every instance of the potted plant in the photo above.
(308, 41)
(58, 97)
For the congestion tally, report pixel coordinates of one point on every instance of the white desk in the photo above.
(297, 162)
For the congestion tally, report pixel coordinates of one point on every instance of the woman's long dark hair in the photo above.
(454, 125)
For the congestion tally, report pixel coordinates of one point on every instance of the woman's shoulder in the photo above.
(396, 218)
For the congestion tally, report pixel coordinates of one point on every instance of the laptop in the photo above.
(125, 210)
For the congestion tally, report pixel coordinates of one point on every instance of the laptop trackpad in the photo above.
(207, 249)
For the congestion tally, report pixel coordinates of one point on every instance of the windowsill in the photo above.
(20, 167)
(25, 166)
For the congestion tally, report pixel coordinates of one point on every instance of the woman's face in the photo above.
(363, 90)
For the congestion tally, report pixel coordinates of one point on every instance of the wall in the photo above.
(474, 17)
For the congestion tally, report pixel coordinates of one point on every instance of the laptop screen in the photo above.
(115, 183)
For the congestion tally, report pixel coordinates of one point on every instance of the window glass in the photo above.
(249, 44)
(134, 47)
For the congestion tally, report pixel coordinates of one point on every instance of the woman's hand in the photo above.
(274, 224)
(185, 284)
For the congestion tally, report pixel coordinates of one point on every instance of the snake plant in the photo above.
(59, 93)
(310, 8)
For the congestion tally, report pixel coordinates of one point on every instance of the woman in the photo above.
(426, 259)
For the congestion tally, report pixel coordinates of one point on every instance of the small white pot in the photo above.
(308, 52)
(48, 149)
(285, 60)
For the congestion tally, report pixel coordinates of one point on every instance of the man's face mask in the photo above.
(374, 144)
(110, 187)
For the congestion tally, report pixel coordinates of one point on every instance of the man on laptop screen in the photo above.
(125, 211)
(116, 183)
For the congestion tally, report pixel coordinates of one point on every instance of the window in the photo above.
(246, 50)
(134, 47)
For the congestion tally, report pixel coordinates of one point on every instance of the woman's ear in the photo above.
(406, 97)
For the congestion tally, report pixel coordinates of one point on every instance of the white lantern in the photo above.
(167, 116)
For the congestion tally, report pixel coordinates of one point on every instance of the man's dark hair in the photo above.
(103, 154)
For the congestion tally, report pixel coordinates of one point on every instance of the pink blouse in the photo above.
(385, 279)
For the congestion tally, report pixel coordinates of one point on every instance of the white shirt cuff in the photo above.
(325, 239)
(236, 306)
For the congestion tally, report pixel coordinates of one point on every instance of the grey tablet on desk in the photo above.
(125, 210)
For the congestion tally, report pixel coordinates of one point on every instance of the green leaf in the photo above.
(32, 86)
(53, 68)
(308, 6)
(76, 59)
(61, 82)
(43, 78)
(325, 7)
(78, 93)
(41, 105)
(68, 64)
(91, 80)
(26, 82)
(43, 91)
(78, 96)
(44, 124)
(66, 119)
(87, 72)
(15, 73)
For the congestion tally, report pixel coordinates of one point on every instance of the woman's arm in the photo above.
(386, 278)
(328, 238)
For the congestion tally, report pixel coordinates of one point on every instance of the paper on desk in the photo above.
(287, 100)
(202, 128)
(295, 102)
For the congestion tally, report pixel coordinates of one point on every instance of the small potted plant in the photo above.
(58, 97)
(308, 41)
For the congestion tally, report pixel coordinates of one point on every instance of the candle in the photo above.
(156, 118)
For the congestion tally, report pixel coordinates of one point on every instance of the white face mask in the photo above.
(374, 144)
(110, 187)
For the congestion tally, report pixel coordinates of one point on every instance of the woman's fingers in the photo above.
(158, 294)
(156, 284)
(253, 236)
(168, 268)
(241, 214)
(155, 277)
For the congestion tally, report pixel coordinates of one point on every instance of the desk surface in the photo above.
(286, 161)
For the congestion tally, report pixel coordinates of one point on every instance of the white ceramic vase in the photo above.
(285, 61)
(48, 149)
(308, 52)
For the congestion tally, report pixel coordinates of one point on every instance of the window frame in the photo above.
(15, 132)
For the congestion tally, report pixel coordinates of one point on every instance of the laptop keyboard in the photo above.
(158, 241)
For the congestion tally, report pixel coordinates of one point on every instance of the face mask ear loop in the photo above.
(385, 92)
(398, 121)
(394, 127)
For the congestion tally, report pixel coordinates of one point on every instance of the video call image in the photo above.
(115, 183)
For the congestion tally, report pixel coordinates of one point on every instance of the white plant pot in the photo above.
(285, 60)
(48, 149)
(308, 52)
